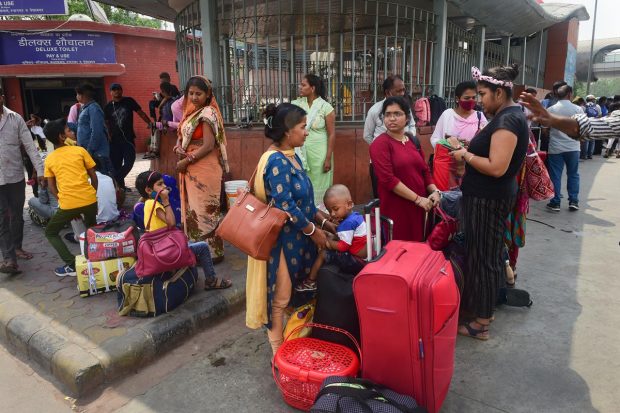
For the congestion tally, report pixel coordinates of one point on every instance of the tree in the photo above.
(115, 15)
(607, 86)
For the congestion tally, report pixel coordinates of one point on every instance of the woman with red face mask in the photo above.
(463, 122)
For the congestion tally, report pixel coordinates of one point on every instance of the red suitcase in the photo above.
(408, 306)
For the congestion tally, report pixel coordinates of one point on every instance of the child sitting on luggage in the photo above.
(148, 184)
(67, 170)
(348, 250)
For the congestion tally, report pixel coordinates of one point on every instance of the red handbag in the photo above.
(537, 181)
(162, 250)
(443, 232)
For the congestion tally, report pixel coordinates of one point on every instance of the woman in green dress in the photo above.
(317, 152)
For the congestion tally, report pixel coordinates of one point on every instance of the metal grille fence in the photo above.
(189, 42)
(462, 52)
(268, 45)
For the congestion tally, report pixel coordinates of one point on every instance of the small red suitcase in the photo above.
(408, 306)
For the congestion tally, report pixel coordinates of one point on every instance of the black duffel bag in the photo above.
(351, 395)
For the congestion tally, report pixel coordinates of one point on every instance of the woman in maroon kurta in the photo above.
(406, 190)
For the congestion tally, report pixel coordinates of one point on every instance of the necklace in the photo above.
(403, 140)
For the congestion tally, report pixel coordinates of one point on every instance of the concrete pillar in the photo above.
(210, 48)
(483, 33)
(439, 70)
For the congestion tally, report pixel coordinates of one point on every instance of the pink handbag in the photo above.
(537, 181)
(443, 232)
(162, 250)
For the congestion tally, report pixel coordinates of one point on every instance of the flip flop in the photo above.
(218, 284)
(24, 255)
(9, 268)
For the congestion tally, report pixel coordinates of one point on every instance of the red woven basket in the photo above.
(301, 365)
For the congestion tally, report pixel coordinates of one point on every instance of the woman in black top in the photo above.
(489, 188)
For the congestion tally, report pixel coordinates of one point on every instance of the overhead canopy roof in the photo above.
(501, 17)
(159, 9)
(516, 18)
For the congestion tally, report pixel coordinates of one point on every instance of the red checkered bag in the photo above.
(537, 181)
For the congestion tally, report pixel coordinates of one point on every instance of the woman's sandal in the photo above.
(9, 268)
(218, 284)
(479, 334)
(23, 255)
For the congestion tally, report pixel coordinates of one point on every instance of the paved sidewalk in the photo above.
(83, 342)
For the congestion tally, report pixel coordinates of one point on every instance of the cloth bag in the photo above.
(163, 250)
(538, 183)
(300, 316)
(251, 225)
(443, 232)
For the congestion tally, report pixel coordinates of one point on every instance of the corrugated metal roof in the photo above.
(518, 17)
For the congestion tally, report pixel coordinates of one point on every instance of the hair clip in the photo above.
(269, 122)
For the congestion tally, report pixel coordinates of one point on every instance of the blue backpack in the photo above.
(591, 111)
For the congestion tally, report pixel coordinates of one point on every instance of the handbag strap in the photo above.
(148, 223)
(442, 214)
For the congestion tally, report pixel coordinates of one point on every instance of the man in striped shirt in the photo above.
(577, 126)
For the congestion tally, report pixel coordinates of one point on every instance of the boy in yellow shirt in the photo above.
(67, 170)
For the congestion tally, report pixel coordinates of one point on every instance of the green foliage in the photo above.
(115, 15)
(608, 86)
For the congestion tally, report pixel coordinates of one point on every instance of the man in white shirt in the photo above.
(564, 150)
(107, 209)
(393, 85)
(13, 134)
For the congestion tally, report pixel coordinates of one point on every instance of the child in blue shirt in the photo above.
(348, 249)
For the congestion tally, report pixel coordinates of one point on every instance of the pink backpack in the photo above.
(422, 109)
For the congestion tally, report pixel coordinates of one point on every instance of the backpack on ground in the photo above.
(437, 106)
(351, 395)
(422, 110)
(591, 111)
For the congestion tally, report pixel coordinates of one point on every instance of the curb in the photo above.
(79, 371)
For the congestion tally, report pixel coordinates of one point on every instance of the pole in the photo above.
(439, 69)
(483, 31)
(540, 40)
(591, 49)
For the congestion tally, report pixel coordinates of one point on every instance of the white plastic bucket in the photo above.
(82, 239)
(231, 190)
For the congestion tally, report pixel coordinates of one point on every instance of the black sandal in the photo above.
(218, 284)
(478, 334)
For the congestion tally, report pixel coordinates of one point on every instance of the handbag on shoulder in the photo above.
(251, 225)
(162, 250)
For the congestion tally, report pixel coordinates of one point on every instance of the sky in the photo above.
(606, 18)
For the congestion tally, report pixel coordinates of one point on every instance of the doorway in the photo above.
(52, 98)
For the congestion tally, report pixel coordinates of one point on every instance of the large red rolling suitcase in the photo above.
(408, 306)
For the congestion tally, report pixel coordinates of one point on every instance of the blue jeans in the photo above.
(203, 256)
(105, 164)
(556, 166)
(587, 149)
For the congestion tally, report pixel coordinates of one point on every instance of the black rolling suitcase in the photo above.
(335, 304)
